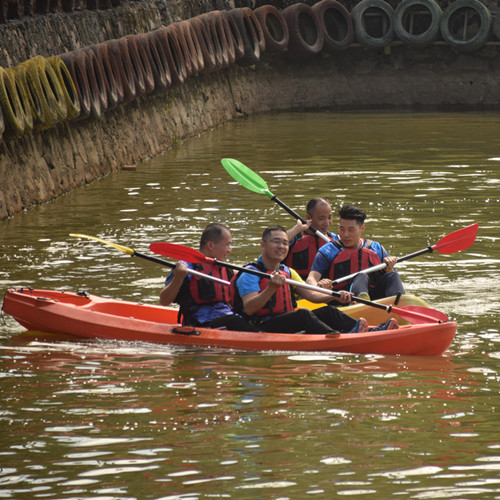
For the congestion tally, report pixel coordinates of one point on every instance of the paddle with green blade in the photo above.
(413, 314)
(133, 253)
(451, 243)
(254, 182)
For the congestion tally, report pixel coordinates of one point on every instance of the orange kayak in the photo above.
(92, 317)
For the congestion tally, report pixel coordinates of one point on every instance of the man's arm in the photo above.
(169, 293)
(297, 229)
(255, 301)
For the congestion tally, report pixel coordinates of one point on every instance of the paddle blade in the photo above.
(246, 177)
(126, 250)
(179, 252)
(419, 315)
(458, 240)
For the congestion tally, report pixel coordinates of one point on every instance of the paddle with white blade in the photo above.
(133, 253)
(413, 314)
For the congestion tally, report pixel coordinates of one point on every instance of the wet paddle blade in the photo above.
(246, 177)
(179, 252)
(126, 250)
(458, 240)
(419, 315)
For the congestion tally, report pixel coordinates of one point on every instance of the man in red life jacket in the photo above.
(351, 253)
(204, 302)
(304, 244)
(270, 304)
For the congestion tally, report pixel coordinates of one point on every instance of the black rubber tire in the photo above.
(274, 28)
(206, 45)
(157, 60)
(233, 33)
(456, 33)
(423, 31)
(216, 29)
(119, 50)
(111, 71)
(306, 33)
(76, 63)
(249, 36)
(377, 33)
(338, 28)
(141, 64)
(175, 59)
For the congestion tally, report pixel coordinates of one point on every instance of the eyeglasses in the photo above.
(277, 242)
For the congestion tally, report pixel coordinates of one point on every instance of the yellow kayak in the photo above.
(373, 315)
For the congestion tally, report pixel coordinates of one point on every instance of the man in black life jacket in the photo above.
(350, 253)
(304, 244)
(204, 302)
(270, 303)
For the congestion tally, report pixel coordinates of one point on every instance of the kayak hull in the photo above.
(89, 316)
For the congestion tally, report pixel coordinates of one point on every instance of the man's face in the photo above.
(350, 232)
(321, 217)
(275, 247)
(222, 248)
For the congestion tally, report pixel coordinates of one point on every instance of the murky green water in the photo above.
(135, 421)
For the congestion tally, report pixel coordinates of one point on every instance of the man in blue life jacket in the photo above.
(304, 244)
(204, 302)
(270, 304)
(351, 253)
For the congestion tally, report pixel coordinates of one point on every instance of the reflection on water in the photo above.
(112, 420)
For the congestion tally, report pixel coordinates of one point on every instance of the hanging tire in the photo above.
(37, 109)
(157, 60)
(206, 44)
(178, 33)
(249, 35)
(416, 22)
(49, 90)
(67, 87)
(193, 46)
(111, 73)
(233, 34)
(175, 59)
(10, 103)
(24, 101)
(306, 33)
(76, 63)
(2, 123)
(97, 84)
(215, 27)
(373, 23)
(337, 25)
(119, 50)
(141, 64)
(274, 28)
(466, 25)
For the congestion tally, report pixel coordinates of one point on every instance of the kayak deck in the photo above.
(89, 316)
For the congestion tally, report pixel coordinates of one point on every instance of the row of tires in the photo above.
(86, 82)
(14, 9)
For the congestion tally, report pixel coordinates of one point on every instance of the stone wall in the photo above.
(45, 164)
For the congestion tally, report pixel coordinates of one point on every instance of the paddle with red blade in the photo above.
(413, 314)
(454, 242)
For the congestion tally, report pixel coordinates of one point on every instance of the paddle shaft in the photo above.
(378, 267)
(388, 308)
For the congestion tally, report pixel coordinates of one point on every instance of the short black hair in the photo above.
(213, 232)
(270, 229)
(311, 204)
(351, 212)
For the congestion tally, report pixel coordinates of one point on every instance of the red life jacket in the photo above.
(282, 301)
(301, 255)
(351, 260)
(206, 291)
